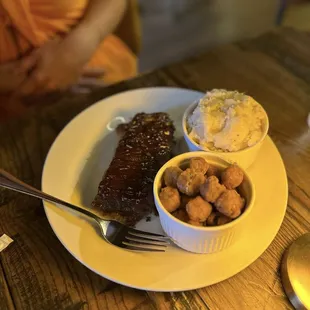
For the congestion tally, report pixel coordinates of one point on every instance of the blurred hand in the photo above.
(89, 79)
(11, 76)
(59, 63)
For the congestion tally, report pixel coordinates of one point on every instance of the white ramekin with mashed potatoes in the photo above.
(228, 123)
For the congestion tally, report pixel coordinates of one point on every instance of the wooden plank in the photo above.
(189, 300)
(289, 48)
(6, 302)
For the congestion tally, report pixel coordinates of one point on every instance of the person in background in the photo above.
(48, 45)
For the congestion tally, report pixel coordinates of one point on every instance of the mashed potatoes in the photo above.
(227, 121)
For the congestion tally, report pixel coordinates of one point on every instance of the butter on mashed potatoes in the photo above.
(227, 121)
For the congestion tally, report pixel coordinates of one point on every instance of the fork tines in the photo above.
(141, 232)
(144, 241)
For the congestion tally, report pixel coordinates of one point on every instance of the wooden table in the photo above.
(36, 272)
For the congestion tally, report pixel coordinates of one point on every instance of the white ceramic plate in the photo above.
(76, 163)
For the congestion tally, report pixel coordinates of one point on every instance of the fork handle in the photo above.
(9, 181)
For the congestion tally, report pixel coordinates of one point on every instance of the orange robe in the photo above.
(27, 24)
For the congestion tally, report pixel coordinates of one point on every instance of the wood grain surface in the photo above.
(36, 272)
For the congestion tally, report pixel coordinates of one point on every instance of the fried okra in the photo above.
(211, 189)
(199, 164)
(195, 223)
(232, 177)
(181, 215)
(171, 176)
(170, 198)
(213, 170)
(198, 209)
(189, 182)
(230, 203)
(216, 219)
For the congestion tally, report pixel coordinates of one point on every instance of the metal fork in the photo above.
(112, 231)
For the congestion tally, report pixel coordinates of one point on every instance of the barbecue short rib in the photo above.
(125, 192)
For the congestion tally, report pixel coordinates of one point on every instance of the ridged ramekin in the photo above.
(244, 158)
(202, 239)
